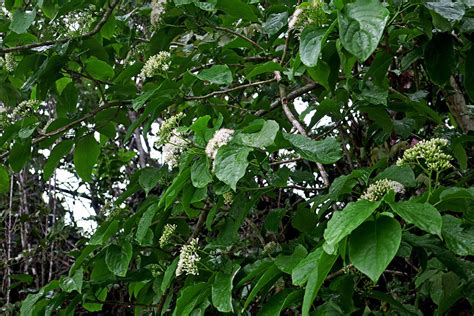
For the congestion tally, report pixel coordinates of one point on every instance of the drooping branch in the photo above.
(96, 30)
(245, 38)
(225, 91)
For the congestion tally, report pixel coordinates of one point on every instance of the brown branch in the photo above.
(225, 91)
(458, 107)
(239, 35)
(282, 162)
(96, 30)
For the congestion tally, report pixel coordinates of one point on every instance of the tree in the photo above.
(312, 158)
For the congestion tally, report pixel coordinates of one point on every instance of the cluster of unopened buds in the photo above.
(9, 62)
(428, 154)
(379, 188)
(156, 65)
(157, 10)
(221, 137)
(189, 259)
(167, 234)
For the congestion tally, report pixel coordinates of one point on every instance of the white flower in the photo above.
(428, 154)
(378, 189)
(188, 259)
(168, 231)
(167, 128)
(157, 64)
(24, 107)
(157, 9)
(10, 62)
(174, 148)
(220, 138)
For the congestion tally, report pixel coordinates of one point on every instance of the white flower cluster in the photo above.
(228, 198)
(188, 259)
(168, 232)
(311, 12)
(157, 9)
(9, 62)
(379, 188)
(157, 64)
(220, 138)
(165, 132)
(173, 149)
(428, 154)
(24, 107)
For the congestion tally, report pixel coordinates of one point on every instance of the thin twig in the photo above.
(225, 91)
(239, 35)
(96, 30)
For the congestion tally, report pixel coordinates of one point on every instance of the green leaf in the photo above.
(230, 164)
(439, 56)
(288, 263)
(217, 74)
(459, 237)
(190, 297)
(118, 257)
(275, 22)
(149, 178)
(342, 223)
(104, 232)
(169, 275)
(86, 154)
(19, 155)
(72, 283)
(310, 44)
(422, 215)
(238, 9)
(324, 151)
(269, 66)
(222, 290)
(280, 301)
(374, 244)
(263, 138)
(316, 278)
(200, 174)
(401, 174)
(451, 11)
(302, 271)
(4, 180)
(268, 277)
(361, 25)
(22, 20)
(145, 222)
(99, 69)
(57, 153)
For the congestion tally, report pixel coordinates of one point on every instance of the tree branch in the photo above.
(96, 30)
(239, 35)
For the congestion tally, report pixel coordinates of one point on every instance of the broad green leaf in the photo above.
(57, 153)
(190, 297)
(100, 295)
(217, 74)
(200, 174)
(459, 236)
(263, 138)
(28, 304)
(374, 244)
(222, 290)
(99, 69)
(149, 178)
(311, 41)
(361, 25)
(315, 280)
(238, 9)
(145, 222)
(280, 301)
(286, 263)
(118, 258)
(86, 154)
(269, 66)
(230, 164)
(140, 101)
(268, 277)
(401, 174)
(4, 180)
(451, 11)
(342, 223)
(169, 275)
(275, 22)
(72, 283)
(104, 232)
(324, 151)
(422, 215)
(22, 20)
(439, 56)
(19, 155)
(301, 272)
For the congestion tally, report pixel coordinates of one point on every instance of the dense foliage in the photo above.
(213, 194)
